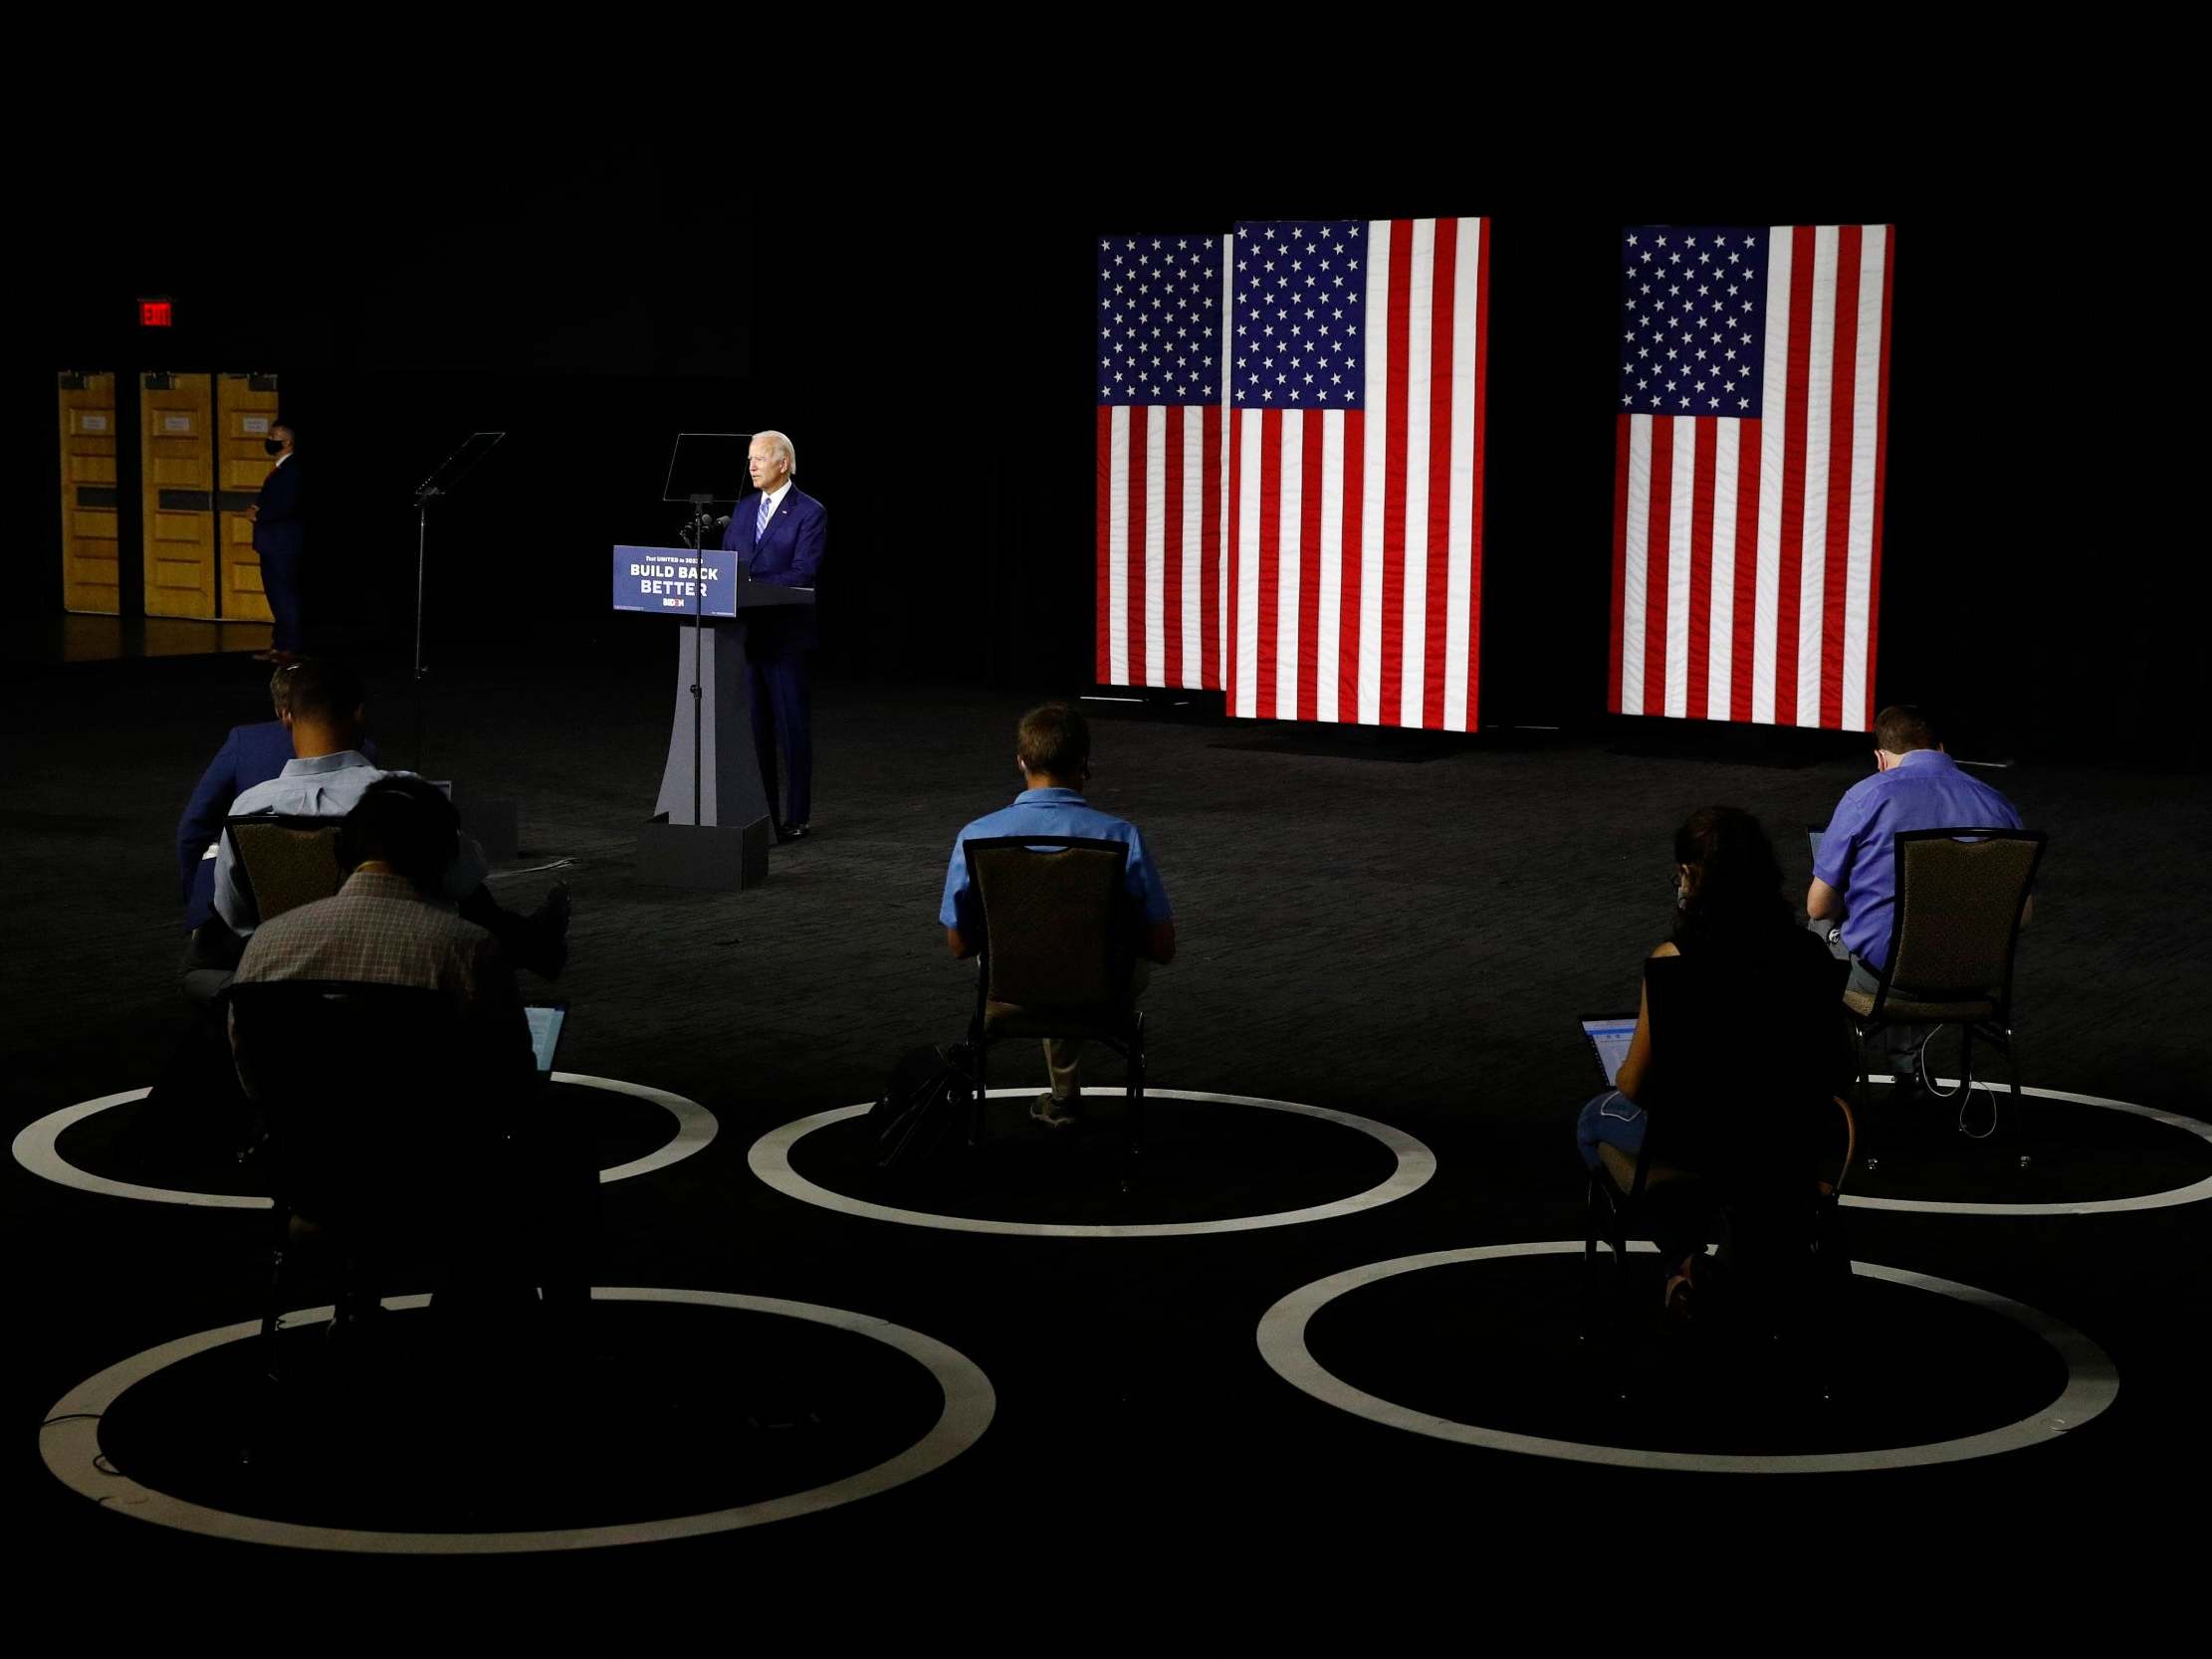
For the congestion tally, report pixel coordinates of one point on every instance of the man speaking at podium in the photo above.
(781, 530)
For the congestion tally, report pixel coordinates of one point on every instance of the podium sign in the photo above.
(675, 580)
(711, 825)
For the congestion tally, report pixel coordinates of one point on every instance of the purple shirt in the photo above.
(1925, 790)
(1050, 812)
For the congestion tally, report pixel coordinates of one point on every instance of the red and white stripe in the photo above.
(1747, 553)
(1159, 545)
(1355, 539)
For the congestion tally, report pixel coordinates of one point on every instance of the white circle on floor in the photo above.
(2091, 1380)
(38, 1147)
(771, 1159)
(70, 1443)
(2194, 1192)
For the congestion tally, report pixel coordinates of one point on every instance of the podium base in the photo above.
(719, 858)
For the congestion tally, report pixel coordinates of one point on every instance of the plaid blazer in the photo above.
(378, 930)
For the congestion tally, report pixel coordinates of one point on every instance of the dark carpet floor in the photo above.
(1408, 941)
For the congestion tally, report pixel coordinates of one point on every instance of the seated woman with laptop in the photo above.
(1738, 1047)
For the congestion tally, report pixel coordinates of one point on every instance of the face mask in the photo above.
(273, 445)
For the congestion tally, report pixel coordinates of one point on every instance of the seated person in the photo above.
(389, 924)
(251, 755)
(1753, 1043)
(1053, 751)
(1852, 902)
(324, 712)
(194, 1105)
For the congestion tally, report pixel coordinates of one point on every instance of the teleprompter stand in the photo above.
(710, 826)
(495, 821)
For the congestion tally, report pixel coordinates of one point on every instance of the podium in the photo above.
(710, 826)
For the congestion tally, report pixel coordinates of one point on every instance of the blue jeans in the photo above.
(1610, 1120)
(1678, 1214)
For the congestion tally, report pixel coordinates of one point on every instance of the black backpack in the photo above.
(929, 1094)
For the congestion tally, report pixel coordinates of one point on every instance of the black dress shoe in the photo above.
(791, 832)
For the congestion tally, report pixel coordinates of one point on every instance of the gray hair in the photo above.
(782, 447)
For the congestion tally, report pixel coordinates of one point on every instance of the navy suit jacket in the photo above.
(251, 755)
(789, 554)
(281, 526)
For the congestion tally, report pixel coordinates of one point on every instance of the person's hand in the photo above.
(253, 514)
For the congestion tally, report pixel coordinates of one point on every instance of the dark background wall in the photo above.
(921, 342)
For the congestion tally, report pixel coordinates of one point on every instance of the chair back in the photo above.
(1959, 894)
(1057, 922)
(285, 862)
(1746, 1058)
(369, 1093)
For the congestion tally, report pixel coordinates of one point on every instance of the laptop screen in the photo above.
(546, 1021)
(1609, 1038)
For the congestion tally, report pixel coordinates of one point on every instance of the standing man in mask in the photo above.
(280, 540)
(781, 532)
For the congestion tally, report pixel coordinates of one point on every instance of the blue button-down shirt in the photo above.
(251, 755)
(1925, 790)
(1051, 812)
(324, 787)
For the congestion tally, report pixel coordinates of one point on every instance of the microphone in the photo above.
(722, 522)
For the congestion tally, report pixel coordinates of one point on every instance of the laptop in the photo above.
(546, 1022)
(1608, 1036)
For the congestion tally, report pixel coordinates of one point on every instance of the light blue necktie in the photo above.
(760, 527)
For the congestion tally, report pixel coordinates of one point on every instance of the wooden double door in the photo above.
(201, 468)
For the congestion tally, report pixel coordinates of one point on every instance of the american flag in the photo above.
(1159, 328)
(1354, 470)
(1747, 472)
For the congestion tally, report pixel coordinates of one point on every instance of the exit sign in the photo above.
(155, 313)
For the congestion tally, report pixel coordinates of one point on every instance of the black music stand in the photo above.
(495, 821)
(441, 481)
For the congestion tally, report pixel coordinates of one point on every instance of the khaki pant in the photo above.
(1062, 1054)
(1901, 1044)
